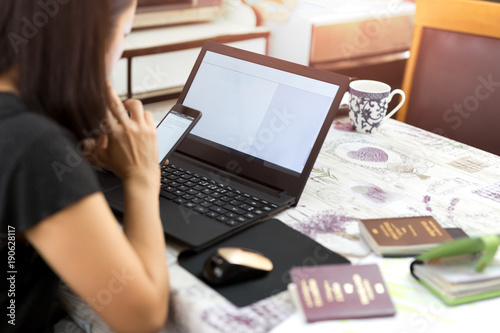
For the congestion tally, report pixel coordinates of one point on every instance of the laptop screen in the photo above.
(269, 114)
(264, 119)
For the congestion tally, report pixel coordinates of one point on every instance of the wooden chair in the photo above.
(452, 78)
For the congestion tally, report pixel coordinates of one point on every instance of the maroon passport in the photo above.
(342, 291)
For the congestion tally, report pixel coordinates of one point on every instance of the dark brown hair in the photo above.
(57, 48)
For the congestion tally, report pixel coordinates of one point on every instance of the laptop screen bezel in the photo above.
(245, 166)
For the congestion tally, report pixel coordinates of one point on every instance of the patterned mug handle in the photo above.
(403, 98)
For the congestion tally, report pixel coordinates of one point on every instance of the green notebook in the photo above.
(461, 271)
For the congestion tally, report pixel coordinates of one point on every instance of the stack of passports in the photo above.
(340, 291)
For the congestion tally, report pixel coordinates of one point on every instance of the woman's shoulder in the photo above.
(22, 128)
(45, 169)
(23, 123)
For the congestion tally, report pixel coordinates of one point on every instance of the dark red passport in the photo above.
(342, 292)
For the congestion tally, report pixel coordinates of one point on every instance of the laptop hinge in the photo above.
(277, 193)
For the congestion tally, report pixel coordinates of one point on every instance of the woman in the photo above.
(55, 57)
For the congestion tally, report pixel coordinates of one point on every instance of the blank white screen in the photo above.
(260, 111)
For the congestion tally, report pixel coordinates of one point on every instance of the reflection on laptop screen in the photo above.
(266, 113)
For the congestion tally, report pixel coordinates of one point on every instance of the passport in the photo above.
(403, 236)
(340, 291)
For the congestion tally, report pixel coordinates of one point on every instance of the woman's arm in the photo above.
(124, 281)
(122, 275)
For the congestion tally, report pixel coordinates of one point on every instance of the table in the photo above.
(398, 171)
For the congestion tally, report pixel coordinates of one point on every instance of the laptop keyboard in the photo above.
(208, 197)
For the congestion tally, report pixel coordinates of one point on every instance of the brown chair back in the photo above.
(452, 79)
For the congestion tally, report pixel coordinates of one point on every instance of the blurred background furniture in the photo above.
(166, 40)
(452, 78)
(365, 39)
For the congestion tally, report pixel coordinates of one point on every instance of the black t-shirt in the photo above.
(41, 173)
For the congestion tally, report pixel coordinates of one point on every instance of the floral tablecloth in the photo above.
(398, 171)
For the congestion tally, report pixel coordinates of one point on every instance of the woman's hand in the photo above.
(130, 147)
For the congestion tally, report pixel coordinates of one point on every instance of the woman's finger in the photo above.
(150, 120)
(136, 110)
(110, 123)
(116, 106)
(98, 150)
(102, 143)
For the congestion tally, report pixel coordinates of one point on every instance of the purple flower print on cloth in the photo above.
(322, 223)
(369, 154)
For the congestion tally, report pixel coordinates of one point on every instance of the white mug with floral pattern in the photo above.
(368, 104)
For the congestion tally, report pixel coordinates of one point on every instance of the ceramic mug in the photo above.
(368, 104)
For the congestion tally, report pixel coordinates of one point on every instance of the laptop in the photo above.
(264, 122)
